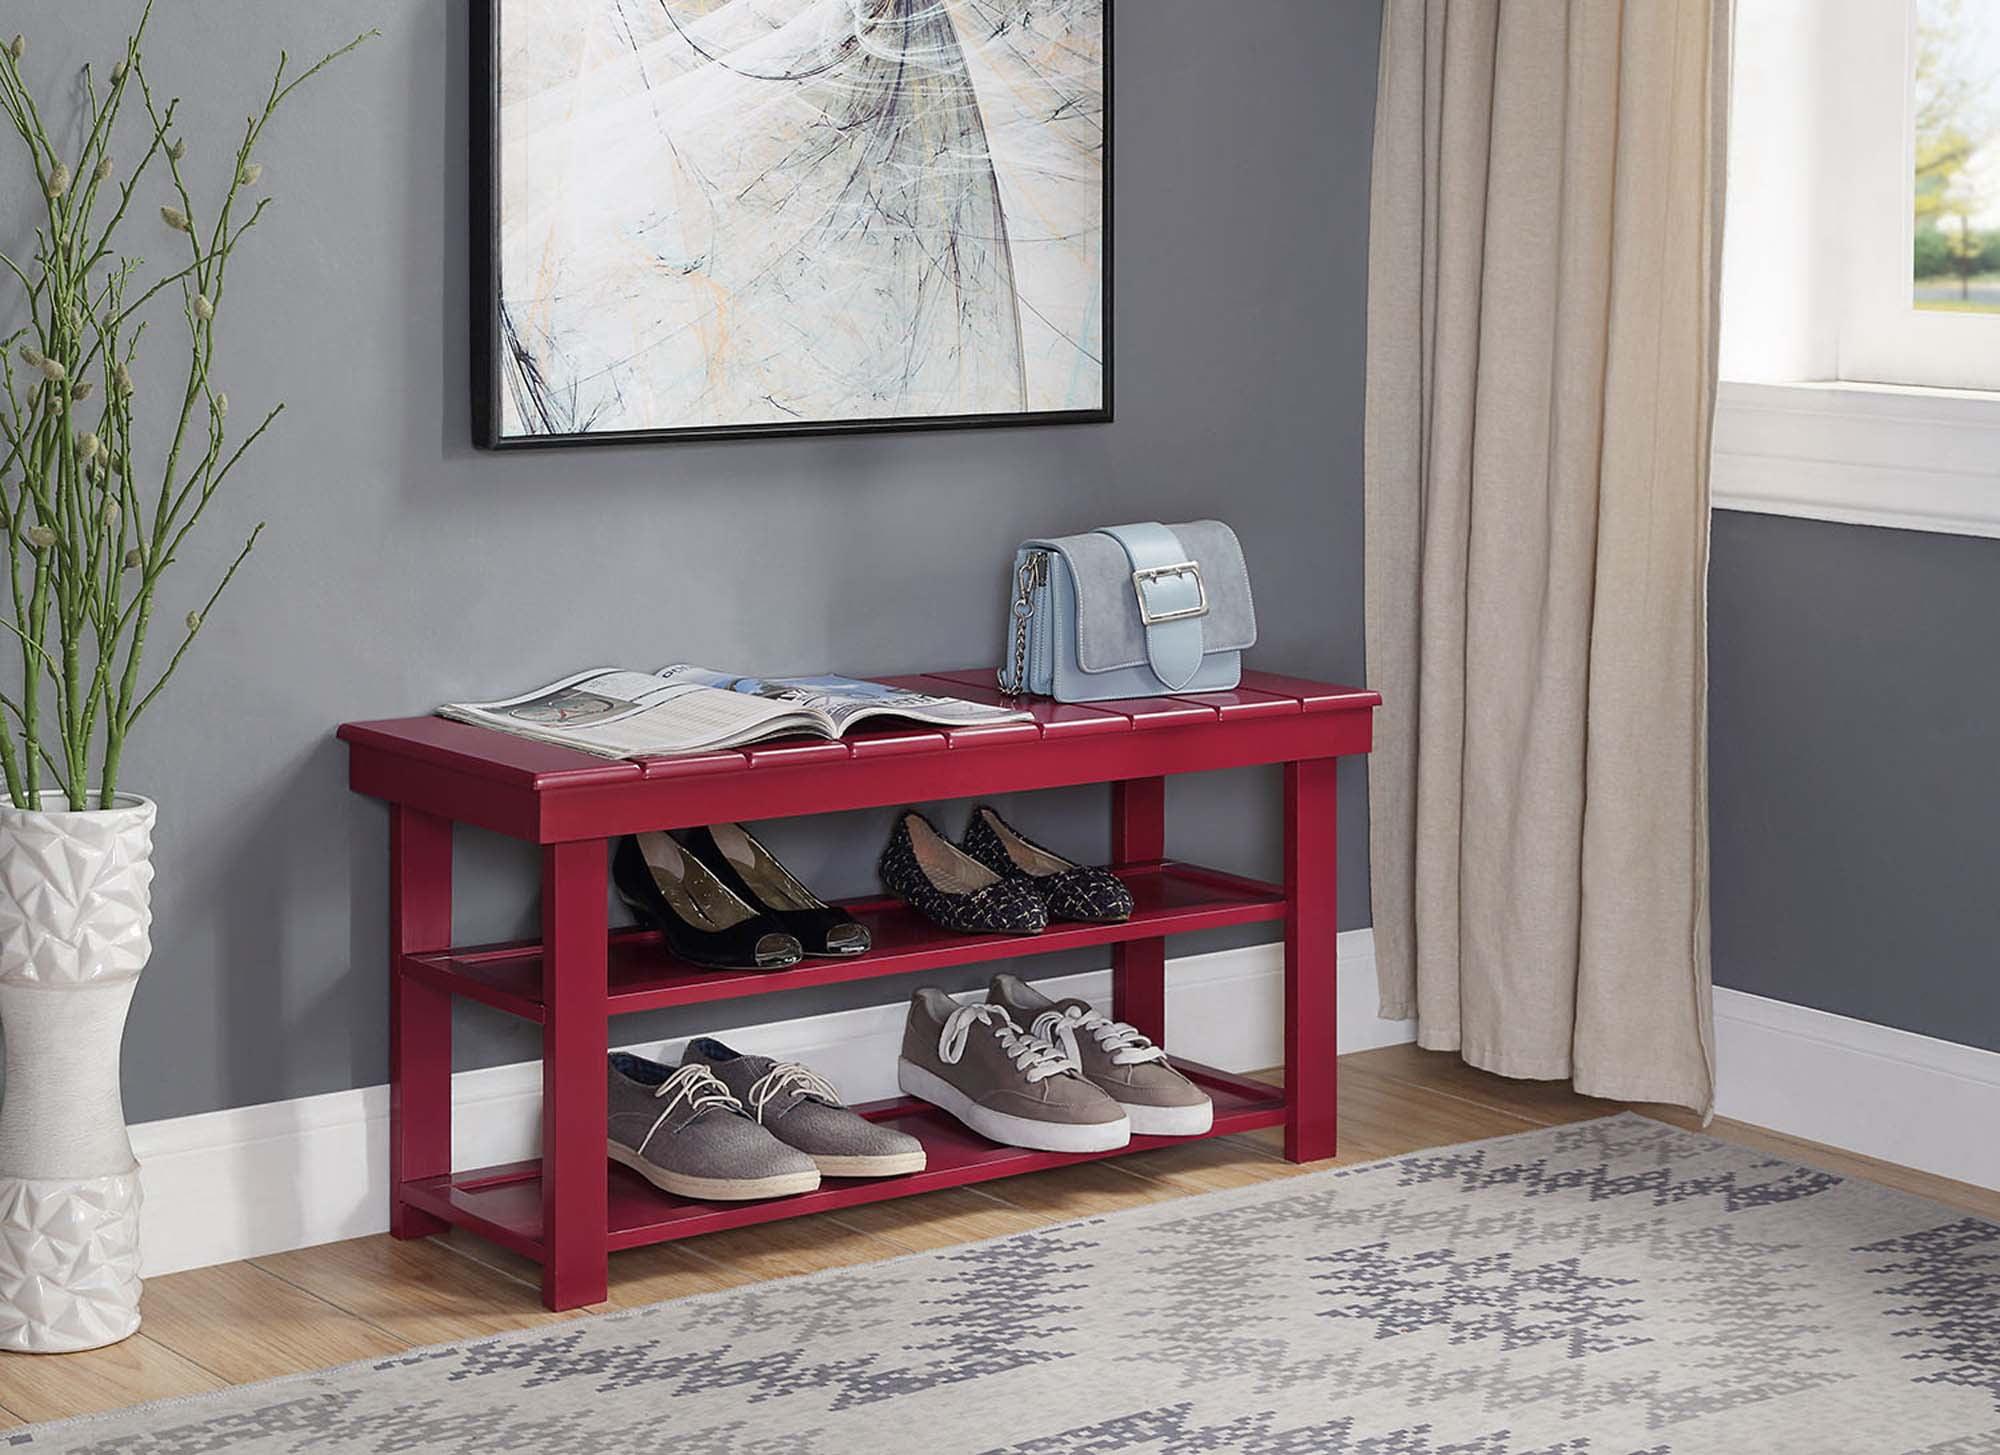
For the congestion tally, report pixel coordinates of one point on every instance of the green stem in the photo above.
(32, 653)
(73, 521)
(10, 763)
(200, 620)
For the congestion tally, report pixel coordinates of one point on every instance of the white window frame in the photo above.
(1821, 149)
(1865, 454)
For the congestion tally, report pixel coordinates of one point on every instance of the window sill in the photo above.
(1864, 454)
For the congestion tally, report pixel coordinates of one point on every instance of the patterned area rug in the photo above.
(1613, 1286)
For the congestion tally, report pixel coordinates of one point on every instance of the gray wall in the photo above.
(401, 568)
(1854, 688)
(1855, 797)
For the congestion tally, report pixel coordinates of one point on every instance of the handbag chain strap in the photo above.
(1033, 572)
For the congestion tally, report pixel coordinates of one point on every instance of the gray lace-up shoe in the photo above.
(683, 1132)
(1114, 1057)
(801, 1109)
(974, 1062)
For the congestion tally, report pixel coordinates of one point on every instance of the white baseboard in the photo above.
(262, 1179)
(1866, 1088)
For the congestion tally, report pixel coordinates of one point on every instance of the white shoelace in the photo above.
(1036, 1060)
(696, 1086)
(1122, 1042)
(789, 1076)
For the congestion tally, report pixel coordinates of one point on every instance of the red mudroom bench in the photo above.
(569, 1209)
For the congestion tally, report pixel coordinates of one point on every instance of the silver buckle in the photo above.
(1149, 617)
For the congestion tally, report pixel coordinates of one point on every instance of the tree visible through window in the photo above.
(1957, 128)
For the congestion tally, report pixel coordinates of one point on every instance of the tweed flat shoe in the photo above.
(1070, 891)
(922, 868)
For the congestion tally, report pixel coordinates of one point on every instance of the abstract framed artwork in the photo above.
(702, 218)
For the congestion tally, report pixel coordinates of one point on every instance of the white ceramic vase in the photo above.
(75, 922)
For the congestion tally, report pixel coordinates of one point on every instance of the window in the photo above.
(1860, 346)
(1955, 122)
(1864, 200)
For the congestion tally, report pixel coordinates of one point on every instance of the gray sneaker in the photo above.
(974, 1062)
(1114, 1057)
(800, 1108)
(683, 1132)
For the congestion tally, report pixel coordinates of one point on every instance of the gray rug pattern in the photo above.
(1607, 1288)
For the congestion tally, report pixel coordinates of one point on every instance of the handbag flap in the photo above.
(1109, 633)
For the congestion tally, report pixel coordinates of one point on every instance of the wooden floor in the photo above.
(329, 1305)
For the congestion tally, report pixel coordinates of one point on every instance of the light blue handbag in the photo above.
(1129, 611)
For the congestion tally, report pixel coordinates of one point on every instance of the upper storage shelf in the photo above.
(1168, 898)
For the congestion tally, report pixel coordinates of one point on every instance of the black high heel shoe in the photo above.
(695, 913)
(1071, 891)
(921, 868)
(736, 857)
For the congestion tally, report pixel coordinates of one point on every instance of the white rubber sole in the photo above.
(899, 1164)
(1009, 1130)
(1170, 1121)
(713, 1189)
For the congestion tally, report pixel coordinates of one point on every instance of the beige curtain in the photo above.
(1544, 255)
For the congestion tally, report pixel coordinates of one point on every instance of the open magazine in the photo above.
(682, 709)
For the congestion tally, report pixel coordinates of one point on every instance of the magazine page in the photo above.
(840, 702)
(621, 714)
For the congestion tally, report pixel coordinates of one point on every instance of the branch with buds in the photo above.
(91, 526)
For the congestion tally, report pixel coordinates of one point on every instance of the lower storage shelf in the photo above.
(505, 1203)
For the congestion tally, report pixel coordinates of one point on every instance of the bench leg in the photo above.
(1311, 975)
(1139, 967)
(574, 1039)
(419, 1014)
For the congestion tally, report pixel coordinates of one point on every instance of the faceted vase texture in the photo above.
(75, 921)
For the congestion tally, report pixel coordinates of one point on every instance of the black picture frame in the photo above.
(484, 272)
